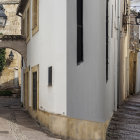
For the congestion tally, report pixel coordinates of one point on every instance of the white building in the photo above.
(71, 75)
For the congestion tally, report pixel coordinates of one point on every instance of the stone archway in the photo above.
(16, 43)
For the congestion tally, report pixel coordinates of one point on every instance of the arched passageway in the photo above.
(10, 72)
(15, 42)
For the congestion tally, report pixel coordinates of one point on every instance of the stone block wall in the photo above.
(10, 76)
(13, 25)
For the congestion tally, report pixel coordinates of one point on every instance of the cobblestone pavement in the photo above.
(125, 123)
(16, 124)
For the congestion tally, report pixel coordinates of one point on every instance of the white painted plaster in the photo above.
(88, 95)
(48, 48)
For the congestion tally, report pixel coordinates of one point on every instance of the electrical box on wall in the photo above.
(50, 76)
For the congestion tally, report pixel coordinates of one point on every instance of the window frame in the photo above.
(35, 69)
(28, 22)
(23, 25)
(26, 87)
(35, 28)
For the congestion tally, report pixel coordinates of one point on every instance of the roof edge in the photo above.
(21, 6)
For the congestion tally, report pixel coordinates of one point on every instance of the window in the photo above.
(23, 26)
(35, 16)
(107, 40)
(79, 31)
(28, 24)
(50, 76)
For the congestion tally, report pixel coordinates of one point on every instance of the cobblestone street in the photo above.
(16, 124)
(125, 123)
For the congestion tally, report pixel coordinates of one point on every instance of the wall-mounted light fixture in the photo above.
(138, 19)
(11, 55)
(3, 17)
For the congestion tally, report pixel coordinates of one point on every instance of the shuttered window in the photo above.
(79, 31)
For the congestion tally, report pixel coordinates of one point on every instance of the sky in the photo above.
(135, 3)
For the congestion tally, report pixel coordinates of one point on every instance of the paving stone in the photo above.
(16, 124)
(125, 123)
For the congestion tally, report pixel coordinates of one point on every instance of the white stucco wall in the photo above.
(48, 48)
(78, 91)
(111, 86)
(86, 83)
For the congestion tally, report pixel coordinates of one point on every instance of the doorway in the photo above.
(132, 72)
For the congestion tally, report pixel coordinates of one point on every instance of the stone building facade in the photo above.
(134, 55)
(13, 25)
(10, 76)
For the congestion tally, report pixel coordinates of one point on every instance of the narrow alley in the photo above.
(16, 124)
(70, 69)
(125, 123)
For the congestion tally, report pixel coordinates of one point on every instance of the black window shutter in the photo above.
(79, 31)
(50, 76)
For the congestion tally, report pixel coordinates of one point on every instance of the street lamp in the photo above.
(11, 55)
(3, 17)
(138, 19)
